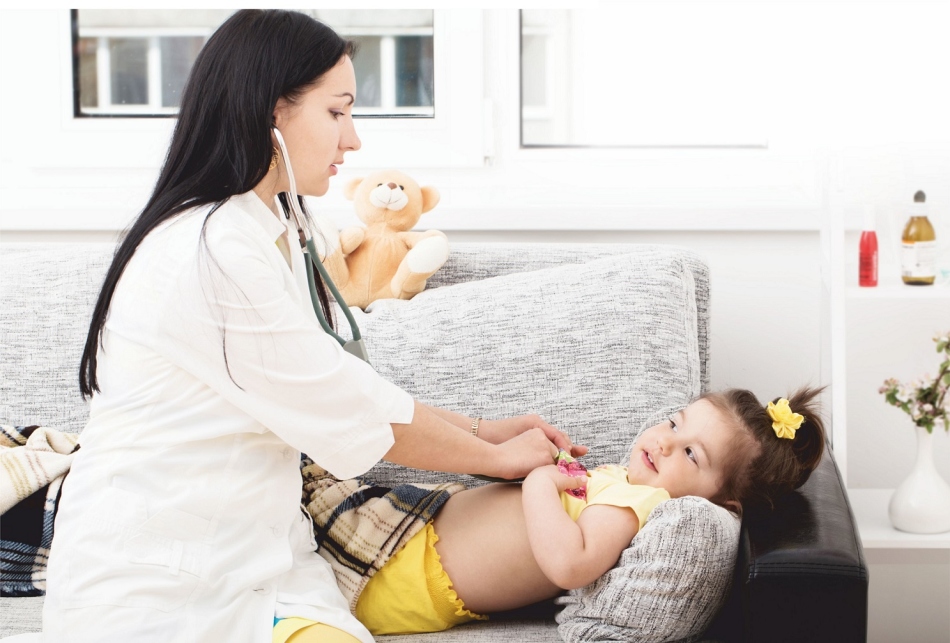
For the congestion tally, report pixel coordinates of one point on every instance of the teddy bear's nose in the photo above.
(391, 185)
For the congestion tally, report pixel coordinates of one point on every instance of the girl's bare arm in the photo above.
(572, 554)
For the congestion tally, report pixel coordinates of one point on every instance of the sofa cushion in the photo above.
(669, 583)
(596, 349)
(469, 261)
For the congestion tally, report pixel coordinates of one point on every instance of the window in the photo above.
(643, 75)
(395, 61)
(135, 62)
(422, 114)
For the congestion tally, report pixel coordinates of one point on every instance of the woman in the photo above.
(180, 519)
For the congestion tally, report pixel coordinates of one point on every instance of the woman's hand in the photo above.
(499, 431)
(522, 454)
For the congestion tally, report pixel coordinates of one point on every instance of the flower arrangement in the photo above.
(924, 400)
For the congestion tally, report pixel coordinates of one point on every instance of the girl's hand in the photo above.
(499, 431)
(561, 481)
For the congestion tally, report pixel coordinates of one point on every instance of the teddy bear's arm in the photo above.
(411, 238)
(351, 238)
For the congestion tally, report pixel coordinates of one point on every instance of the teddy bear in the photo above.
(386, 259)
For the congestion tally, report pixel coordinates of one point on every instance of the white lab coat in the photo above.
(180, 519)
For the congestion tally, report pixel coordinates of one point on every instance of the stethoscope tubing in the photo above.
(312, 260)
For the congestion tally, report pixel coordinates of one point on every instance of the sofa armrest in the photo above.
(800, 570)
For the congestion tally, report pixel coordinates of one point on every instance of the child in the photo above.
(502, 546)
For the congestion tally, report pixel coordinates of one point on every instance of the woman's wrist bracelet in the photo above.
(475, 424)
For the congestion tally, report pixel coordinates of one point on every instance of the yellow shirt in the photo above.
(608, 485)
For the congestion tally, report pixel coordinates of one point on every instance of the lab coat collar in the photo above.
(252, 204)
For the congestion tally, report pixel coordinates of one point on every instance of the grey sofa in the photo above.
(601, 340)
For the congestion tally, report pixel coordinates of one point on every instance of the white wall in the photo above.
(853, 84)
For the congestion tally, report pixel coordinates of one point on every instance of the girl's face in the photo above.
(318, 129)
(686, 454)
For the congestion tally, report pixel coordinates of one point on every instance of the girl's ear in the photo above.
(734, 506)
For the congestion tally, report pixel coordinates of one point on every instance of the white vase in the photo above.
(921, 504)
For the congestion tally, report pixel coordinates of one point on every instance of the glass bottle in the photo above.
(919, 246)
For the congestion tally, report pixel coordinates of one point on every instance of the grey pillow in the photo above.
(595, 348)
(669, 584)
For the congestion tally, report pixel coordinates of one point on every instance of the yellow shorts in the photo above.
(301, 630)
(412, 592)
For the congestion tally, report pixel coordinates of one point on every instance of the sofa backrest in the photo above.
(47, 292)
(599, 340)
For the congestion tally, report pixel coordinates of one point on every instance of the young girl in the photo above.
(503, 546)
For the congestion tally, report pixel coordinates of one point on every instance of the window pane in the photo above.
(88, 76)
(394, 66)
(533, 66)
(367, 67)
(642, 74)
(414, 78)
(178, 55)
(128, 59)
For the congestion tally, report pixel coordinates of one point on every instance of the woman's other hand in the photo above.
(499, 431)
(522, 454)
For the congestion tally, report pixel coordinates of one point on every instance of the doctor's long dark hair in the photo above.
(222, 145)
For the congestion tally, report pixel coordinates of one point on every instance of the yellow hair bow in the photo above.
(784, 422)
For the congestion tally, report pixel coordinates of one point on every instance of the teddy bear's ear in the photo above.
(350, 190)
(430, 198)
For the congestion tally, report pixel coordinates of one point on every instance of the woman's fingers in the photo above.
(577, 450)
(524, 453)
(560, 439)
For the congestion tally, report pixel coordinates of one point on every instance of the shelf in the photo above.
(899, 291)
(870, 511)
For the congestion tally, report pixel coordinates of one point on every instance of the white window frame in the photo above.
(775, 186)
(154, 106)
(387, 70)
(445, 140)
(556, 79)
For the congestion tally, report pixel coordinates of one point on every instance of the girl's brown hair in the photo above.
(774, 465)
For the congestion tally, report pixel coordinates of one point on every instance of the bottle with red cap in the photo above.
(867, 252)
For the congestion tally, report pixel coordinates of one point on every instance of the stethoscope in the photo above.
(355, 346)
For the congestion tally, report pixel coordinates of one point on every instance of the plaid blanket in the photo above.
(360, 526)
(33, 462)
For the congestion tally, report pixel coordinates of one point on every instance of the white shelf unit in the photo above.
(846, 297)
(868, 335)
(870, 510)
(870, 505)
(899, 292)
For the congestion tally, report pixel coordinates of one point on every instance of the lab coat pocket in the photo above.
(172, 548)
(127, 558)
